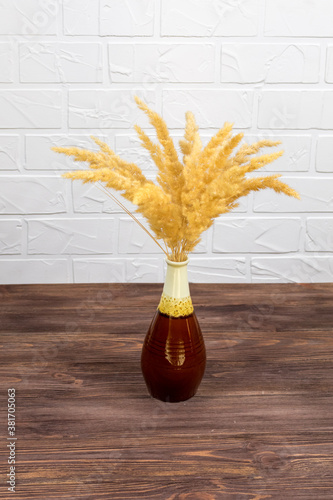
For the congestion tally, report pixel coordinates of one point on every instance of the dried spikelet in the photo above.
(170, 174)
(189, 195)
(247, 150)
(191, 144)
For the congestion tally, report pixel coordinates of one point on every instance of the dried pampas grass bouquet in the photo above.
(189, 194)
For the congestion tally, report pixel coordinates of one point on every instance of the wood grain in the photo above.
(260, 426)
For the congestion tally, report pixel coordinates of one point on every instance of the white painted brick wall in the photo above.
(256, 235)
(306, 18)
(237, 104)
(22, 194)
(9, 152)
(192, 18)
(70, 236)
(80, 17)
(70, 69)
(292, 269)
(60, 62)
(39, 270)
(324, 156)
(270, 63)
(6, 62)
(162, 62)
(29, 17)
(296, 109)
(11, 237)
(319, 234)
(30, 109)
(135, 269)
(127, 18)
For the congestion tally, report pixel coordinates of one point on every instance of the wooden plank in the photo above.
(259, 427)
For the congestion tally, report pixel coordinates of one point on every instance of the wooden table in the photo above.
(260, 426)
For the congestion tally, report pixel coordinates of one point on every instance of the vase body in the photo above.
(173, 355)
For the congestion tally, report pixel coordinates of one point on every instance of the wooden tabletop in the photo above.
(260, 426)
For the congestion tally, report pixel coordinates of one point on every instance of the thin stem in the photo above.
(166, 247)
(103, 188)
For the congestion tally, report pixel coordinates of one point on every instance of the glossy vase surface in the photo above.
(173, 355)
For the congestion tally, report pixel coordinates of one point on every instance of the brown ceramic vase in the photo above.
(173, 355)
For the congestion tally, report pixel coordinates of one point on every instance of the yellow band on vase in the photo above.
(175, 307)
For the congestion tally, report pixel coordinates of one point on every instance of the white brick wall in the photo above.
(37, 108)
(29, 17)
(60, 62)
(70, 68)
(162, 62)
(256, 235)
(127, 18)
(70, 236)
(306, 18)
(270, 63)
(194, 18)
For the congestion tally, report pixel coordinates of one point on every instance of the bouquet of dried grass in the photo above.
(188, 195)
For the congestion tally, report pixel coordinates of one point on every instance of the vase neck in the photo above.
(175, 300)
(176, 280)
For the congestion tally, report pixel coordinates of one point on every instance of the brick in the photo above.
(161, 62)
(319, 234)
(296, 156)
(6, 62)
(251, 235)
(299, 18)
(81, 17)
(10, 236)
(216, 270)
(324, 154)
(106, 108)
(139, 270)
(28, 17)
(134, 240)
(39, 155)
(70, 236)
(329, 65)
(118, 18)
(292, 270)
(209, 18)
(26, 271)
(32, 195)
(316, 196)
(30, 108)
(61, 62)
(9, 152)
(216, 107)
(296, 109)
(270, 63)
(88, 198)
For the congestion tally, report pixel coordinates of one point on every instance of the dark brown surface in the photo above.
(260, 426)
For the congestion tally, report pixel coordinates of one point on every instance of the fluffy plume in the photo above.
(190, 194)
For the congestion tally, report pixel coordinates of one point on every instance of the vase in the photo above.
(173, 356)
